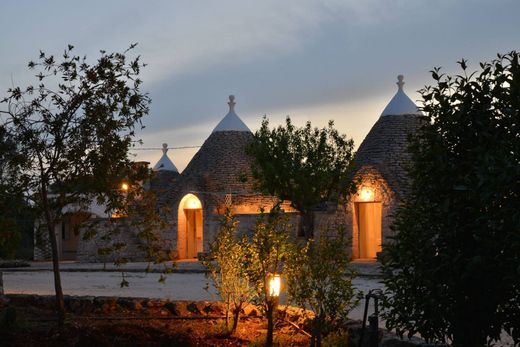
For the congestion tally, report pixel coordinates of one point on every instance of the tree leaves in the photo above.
(450, 270)
(305, 165)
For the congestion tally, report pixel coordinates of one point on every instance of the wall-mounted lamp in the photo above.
(192, 203)
(367, 194)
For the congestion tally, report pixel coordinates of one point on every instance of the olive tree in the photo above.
(306, 166)
(74, 128)
(452, 268)
(226, 262)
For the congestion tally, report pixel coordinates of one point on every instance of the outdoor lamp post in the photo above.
(273, 291)
(274, 285)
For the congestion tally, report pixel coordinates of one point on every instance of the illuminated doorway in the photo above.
(369, 229)
(189, 236)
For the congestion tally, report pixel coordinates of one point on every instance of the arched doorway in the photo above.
(189, 236)
(368, 215)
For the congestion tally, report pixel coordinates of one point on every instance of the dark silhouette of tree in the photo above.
(452, 268)
(74, 129)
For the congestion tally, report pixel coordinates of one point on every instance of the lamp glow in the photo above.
(274, 285)
(367, 194)
(124, 186)
(192, 203)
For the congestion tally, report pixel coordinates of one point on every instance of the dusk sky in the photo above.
(312, 60)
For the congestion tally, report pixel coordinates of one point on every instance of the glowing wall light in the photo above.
(367, 194)
(124, 186)
(192, 203)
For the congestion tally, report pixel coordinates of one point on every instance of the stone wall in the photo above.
(111, 233)
(369, 177)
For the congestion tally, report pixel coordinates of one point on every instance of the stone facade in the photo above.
(382, 161)
(385, 149)
(219, 176)
(120, 234)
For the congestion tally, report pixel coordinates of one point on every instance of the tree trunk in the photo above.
(270, 325)
(60, 305)
(227, 313)
(308, 224)
(316, 330)
(236, 316)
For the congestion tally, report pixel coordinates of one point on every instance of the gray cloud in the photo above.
(313, 59)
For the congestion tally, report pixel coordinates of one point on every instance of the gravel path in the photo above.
(178, 286)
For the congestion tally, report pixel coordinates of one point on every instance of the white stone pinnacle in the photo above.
(165, 163)
(400, 103)
(231, 122)
(400, 82)
(231, 103)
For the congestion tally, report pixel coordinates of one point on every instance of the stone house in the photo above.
(219, 177)
(381, 162)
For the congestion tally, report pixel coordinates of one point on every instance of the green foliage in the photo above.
(225, 263)
(319, 278)
(15, 214)
(306, 166)
(72, 131)
(452, 271)
(336, 338)
(266, 251)
(8, 318)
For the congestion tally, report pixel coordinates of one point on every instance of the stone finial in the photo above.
(400, 82)
(231, 103)
(164, 148)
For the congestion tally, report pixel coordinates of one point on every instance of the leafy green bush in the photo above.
(319, 277)
(452, 271)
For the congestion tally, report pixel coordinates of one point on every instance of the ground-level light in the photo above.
(275, 284)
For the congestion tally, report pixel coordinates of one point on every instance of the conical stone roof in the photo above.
(385, 146)
(221, 164)
(164, 163)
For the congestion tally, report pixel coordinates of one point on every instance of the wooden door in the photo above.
(191, 230)
(369, 226)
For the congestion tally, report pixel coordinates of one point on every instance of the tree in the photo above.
(307, 166)
(226, 262)
(75, 129)
(266, 251)
(452, 268)
(319, 278)
(13, 206)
